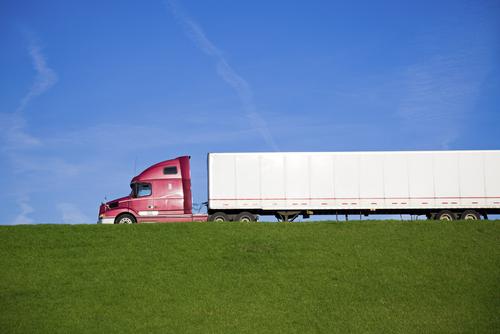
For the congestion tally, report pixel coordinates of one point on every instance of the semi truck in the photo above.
(440, 185)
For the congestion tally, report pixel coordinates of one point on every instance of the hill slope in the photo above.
(390, 277)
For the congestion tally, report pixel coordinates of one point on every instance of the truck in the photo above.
(440, 185)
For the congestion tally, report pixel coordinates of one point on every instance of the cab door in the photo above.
(142, 201)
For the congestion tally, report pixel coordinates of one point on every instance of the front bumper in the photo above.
(105, 220)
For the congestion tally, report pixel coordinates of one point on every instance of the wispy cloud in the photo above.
(25, 208)
(437, 95)
(439, 92)
(14, 134)
(54, 166)
(71, 214)
(45, 76)
(225, 72)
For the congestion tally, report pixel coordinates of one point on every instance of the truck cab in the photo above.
(161, 193)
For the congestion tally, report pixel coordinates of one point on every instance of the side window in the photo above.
(172, 170)
(143, 189)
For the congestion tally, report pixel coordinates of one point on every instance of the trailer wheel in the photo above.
(125, 219)
(246, 217)
(470, 215)
(219, 217)
(445, 215)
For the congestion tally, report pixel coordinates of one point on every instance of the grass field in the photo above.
(356, 277)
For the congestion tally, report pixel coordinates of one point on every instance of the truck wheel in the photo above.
(219, 217)
(246, 217)
(470, 215)
(445, 215)
(125, 219)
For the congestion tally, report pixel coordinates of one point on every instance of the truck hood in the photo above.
(118, 202)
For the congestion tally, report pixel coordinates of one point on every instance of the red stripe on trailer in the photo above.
(347, 198)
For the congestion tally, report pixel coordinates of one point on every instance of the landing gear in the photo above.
(287, 216)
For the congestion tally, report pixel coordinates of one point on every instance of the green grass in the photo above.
(355, 277)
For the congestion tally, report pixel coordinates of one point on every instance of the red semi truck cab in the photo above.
(161, 193)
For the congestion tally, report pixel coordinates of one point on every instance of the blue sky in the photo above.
(92, 92)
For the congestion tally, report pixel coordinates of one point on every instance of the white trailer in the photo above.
(442, 185)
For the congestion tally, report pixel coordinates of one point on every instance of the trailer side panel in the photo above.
(354, 180)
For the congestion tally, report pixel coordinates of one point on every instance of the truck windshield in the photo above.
(140, 189)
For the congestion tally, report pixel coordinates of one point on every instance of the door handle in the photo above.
(150, 206)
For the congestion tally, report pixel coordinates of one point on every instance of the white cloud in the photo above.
(28, 163)
(102, 137)
(437, 95)
(226, 73)
(26, 209)
(71, 214)
(45, 76)
(14, 134)
(14, 129)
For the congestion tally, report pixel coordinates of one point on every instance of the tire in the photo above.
(125, 219)
(219, 217)
(445, 215)
(246, 217)
(470, 215)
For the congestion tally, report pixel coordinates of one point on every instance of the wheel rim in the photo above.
(219, 219)
(446, 217)
(470, 216)
(245, 219)
(126, 220)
